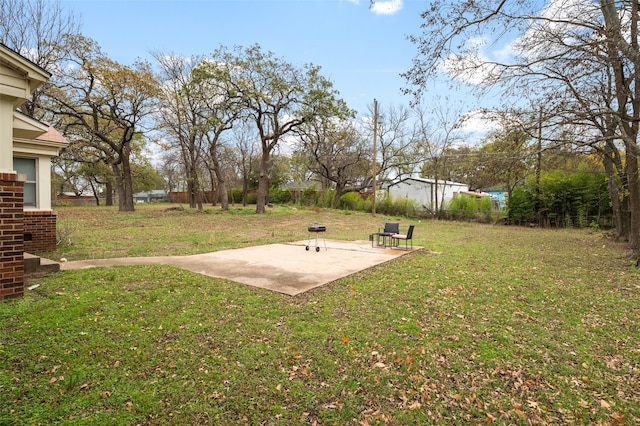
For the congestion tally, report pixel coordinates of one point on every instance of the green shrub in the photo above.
(365, 204)
(326, 199)
(384, 204)
(520, 207)
(463, 207)
(396, 207)
(236, 195)
(310, 196)
(572, 198)
(565, 200)
(350, 201)
(280, 196)
(486, 210)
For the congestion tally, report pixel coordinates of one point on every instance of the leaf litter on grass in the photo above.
(505, 325)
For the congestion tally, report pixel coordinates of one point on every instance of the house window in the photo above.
(27, 166)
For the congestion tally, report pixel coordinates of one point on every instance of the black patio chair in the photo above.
(390, 228)
(396, 238)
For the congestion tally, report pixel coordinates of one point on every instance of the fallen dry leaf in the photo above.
(618, 418)
(521, 414)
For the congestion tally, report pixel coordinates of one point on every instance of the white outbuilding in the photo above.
(423, 191)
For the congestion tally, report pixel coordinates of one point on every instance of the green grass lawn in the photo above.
(489, 324)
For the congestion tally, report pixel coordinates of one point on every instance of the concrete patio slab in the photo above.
(285, 268)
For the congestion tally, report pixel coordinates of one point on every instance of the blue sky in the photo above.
(361, 49)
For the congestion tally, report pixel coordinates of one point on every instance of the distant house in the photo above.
(27, 222)
(498, 194)
(150, 196)
(423, 191)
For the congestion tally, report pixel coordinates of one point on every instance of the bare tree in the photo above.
(437, 130)
(278, 98)
(222, 107)
(575, 55)
(38, 30)
(337, 153)
(171, 168)
(396, 147)
(244, 139)
(181, 116)
(506, 158)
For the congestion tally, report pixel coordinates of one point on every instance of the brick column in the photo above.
(11, 236)
(39, 231)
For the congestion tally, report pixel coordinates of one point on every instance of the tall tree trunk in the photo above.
(245, 188)
(340, 191)
(191, 192)
(214, 187)
(117, 172)
(200, 199)
(634, 200)
(94, 191)
(434, 193)
(215, 194)
(627, 92)
(190, 160)
(127, 186)
(220, 181)
(109, 193)
(434, 189)
(222, 189)
(620, 215)
(263, 182)
(245, 179)
(192, 187)
(223, 194)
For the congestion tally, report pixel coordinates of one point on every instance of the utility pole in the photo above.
(538, 204)
(375, 135)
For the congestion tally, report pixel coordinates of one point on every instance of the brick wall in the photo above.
(11, 237)
(39, 231)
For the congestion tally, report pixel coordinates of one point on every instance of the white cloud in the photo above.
(477, 125)
(473, 66)
(506, 54)
(562, 24)
(481, 61)
(388, 7)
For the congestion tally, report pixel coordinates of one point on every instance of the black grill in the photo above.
(316, 229)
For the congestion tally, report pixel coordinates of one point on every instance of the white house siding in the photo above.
(422, 191)
(18, 79)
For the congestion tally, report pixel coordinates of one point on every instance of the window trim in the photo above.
(33, 183)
